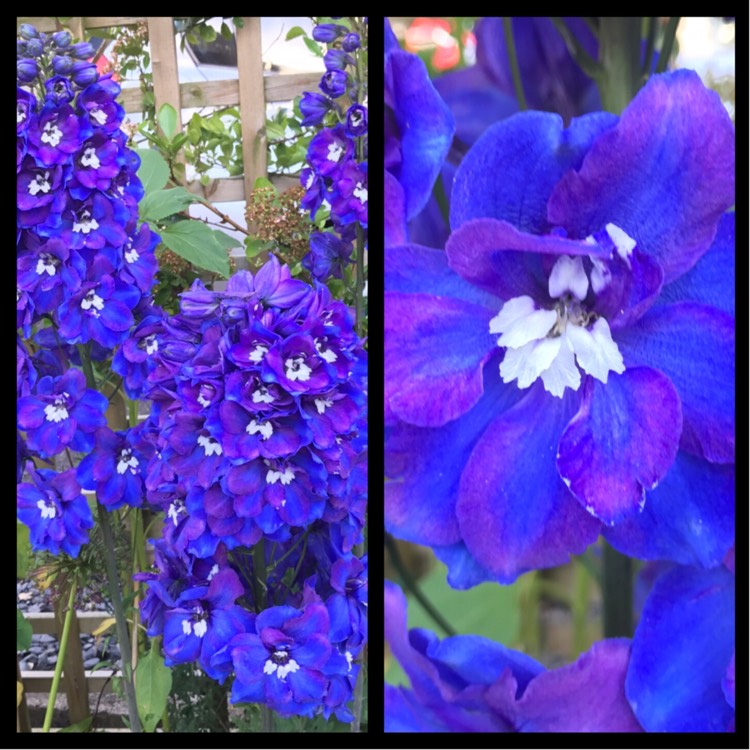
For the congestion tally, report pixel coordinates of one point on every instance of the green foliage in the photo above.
(23, 632)
(294, 32)
(197, 703)
(167, 118)
(197, 244)
(154, 171)
(82, 726)
(153, 683)
(23, 549)
(162, 203)
(313, 46)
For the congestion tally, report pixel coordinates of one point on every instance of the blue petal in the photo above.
(681, 650)
(512, 169)
(688, 518)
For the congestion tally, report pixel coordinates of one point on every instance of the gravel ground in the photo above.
(42, 654)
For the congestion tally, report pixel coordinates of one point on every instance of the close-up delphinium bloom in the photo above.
(571, 350)
(467, 683)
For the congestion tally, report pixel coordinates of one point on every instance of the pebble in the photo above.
(90, 663)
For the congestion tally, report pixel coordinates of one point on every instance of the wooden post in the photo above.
(252, 102)
(164, 66)
(23, 723)
(74, 677)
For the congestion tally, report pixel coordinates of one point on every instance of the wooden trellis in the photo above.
(251, 91)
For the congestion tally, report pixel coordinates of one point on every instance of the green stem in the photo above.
(513, 58)
(259, 575)
(529, 619)
(266, 716)
(412, 586)
(132, 412)
(360, 282)
(69, 614)
(580, 607)
(667, 43)
(358, 688)
(620, 58)
(577, 51)
(618, 594)
(650, 41)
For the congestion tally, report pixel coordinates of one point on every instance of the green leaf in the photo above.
(153, 683)
(178, 142)
(23, 632)
(163, 203)
(294, 32)
(194, 129)
(154, 171)
(313, 46)
(167, 119)
(275, 131)
(262, 182)
(81, 726)
(195, 242)
(226, 32)
(254, 247)
(208, 33)
(226, 240)
(23, 549)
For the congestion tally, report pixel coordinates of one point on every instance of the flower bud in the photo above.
(34, 48)
(350, 42)
(314, 108)
(82, 50)
(328, 32)
(27, 70)
(333, 83)
(337, 59)
(84, 73)
(62, 64)
(356, 120)
(62, 39)
(27, 31)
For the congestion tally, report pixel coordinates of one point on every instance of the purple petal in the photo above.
(434, 351)
(727, 684)
(513, 509)
(395, 211)
(664, 174)
(621, 442)
(314, 619)
(680, 653)
(688, 518)
(307, 686)
(512, 169)
(482, 252)
(423, 468)
(588, 696)
(711, 280)
(694, 345)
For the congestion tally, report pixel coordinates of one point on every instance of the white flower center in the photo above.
(549, 343)
(328, 354)
(92, 302)
(131, 256)
(51, 134)
(99, 115)
(20, 114)
(278, 664)
(257, 354)
(57, 412)
(334, 151)
(200, 628)
(127, 461)
(321, 404)
(86, 223)
(48, 511)
(262, 396)
(310, 179)
(152, 344)
(175, 508)
(360, 192)
(349, 659)
(90, 159)
(210, 446)
(40, 184)
(285, 477)
(265, 429)
(296, 369)
(46, 264)
(213, 572)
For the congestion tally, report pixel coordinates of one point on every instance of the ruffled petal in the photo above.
(512, 169)
(693, 344)
(680, 653)
(423, 467)
(587, 696)
(434, 351)
(622, 441)
(513, 509)
(664, 174)
(395, 211)
(688, 518)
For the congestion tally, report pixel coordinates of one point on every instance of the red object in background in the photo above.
(103, 65)
(425, 33)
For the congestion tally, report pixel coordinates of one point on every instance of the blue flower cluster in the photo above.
(257, 455)
(84, 271)
(337, 155)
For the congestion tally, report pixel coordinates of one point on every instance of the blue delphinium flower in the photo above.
(55, 511)
(559, 351)
(468, 683)
(681, 672)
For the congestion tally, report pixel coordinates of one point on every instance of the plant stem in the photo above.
(667, 44)
(577, 51)
(620, 58)
(618, 594)
(266, 717)
(413, 587)
(259, 574)
(358, 688)
(650, 41)
(513, 59)
(60, 657)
